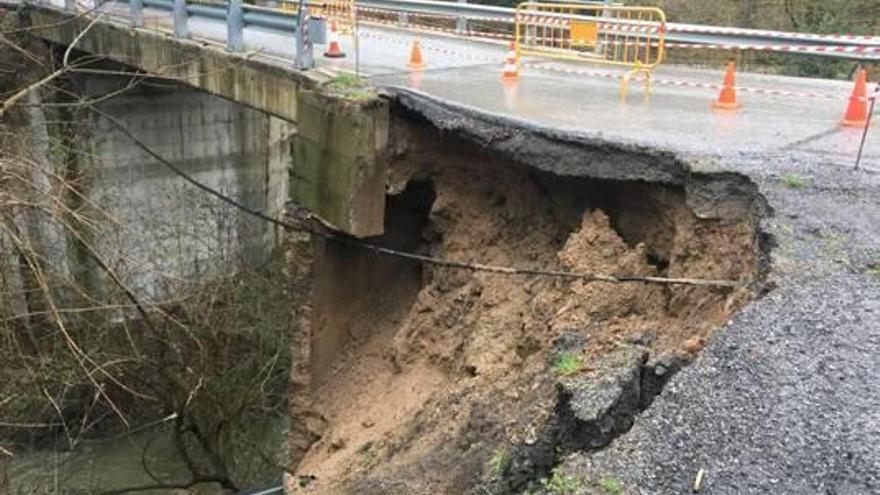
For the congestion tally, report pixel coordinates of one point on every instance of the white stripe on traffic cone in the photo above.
(510, 72)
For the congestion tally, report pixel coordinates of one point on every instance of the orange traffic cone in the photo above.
(415, 57)
(857, 109)
(510, 72)
(333, 50)
(727, 98)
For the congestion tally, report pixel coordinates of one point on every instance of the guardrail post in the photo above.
(461, 25)
(234, 26)
(403, 18)
(136, 12)
(181, 30)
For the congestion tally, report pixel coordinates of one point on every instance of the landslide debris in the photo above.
(459, 389)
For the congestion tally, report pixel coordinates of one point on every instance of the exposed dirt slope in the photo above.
(431, 397)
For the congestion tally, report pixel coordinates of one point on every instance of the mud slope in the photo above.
(470, 382)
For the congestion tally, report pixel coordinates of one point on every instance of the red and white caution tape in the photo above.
(848, 38)
(426, 15)
(470, 33)
(691, 84)
(632, 27)
(542, 20)
(857, 49)
(429, 47)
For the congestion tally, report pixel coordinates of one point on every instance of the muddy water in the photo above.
(118, 462)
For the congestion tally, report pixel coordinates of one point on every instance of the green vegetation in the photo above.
(567, 363)
(795, 181)
(611, 486)
(349, 86)
(560, 484)
(498, 462)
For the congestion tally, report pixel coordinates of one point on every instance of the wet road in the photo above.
(584, 97)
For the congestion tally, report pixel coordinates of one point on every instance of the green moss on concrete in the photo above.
(338, 172)
(350, 87)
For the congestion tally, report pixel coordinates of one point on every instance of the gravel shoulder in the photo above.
(785, 398)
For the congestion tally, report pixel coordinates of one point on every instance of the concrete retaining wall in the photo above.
(339, 170)
(159, 232)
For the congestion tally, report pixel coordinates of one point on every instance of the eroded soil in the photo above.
(436, 391)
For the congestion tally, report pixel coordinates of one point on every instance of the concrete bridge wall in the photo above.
(152, 226)
(339, 171)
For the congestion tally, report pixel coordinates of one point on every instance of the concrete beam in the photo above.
(339, 163)
(256, 82)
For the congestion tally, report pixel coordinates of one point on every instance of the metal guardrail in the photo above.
(677, 33)
(252, 15)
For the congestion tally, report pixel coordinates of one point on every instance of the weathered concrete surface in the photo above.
(254, 82)
(337, 175)
(339, 165)
(152, 226)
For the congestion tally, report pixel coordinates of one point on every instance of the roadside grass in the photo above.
(498, 462)
(567, 364)
(350, 87)
(795, 181)
(560, 484)
(611, 486)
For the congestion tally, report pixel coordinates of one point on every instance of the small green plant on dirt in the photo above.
(611, 486)
(498, 462)
(350, 87)
(567, 363)
(795, 181)
(560, 484)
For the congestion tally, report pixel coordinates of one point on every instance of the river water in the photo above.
(124, 461)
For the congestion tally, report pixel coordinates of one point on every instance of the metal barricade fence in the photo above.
(630, 37)
(341, 11)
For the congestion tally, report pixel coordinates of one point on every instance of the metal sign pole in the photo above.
(867, 124)
(305, 55)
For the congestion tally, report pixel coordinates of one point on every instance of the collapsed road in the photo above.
(760, 408)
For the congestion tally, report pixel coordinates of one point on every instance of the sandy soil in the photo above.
(424, 399)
